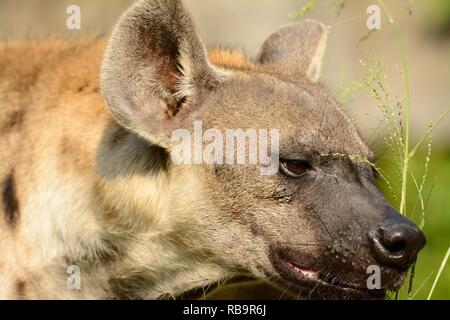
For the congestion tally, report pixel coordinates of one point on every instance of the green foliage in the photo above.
(439, 15)
(304, 9)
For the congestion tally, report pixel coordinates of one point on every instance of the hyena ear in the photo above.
(155, 69)
(296, 49)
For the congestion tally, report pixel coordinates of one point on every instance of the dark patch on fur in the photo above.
(90, 88)
(118, 136)
(14, 121)
(21, 288)
(68, 147)
(132, 286)
(82, 88)
(143, 159)
(74, 156)
(9, 199)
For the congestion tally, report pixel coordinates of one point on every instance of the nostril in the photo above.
(396, 247)
(394, 238)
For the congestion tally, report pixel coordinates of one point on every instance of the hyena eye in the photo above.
(294, 168)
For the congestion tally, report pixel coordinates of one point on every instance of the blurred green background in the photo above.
(437, 225)
(425, 28)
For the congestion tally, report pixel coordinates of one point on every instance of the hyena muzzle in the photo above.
(88, 179)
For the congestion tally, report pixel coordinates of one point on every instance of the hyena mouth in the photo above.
(331, 282)
(313, 283)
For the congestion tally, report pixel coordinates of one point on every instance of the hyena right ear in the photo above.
(296, 49)
(155, 69)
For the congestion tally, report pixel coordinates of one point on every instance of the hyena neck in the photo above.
(156, 213)
(156, 267)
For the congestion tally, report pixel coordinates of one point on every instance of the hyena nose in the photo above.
(396, 244)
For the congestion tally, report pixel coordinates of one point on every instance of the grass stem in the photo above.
(405, 75)
(439, 273)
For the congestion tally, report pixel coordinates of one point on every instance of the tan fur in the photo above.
(231, 59)
(53, 120)
(87, 179)
(53, 85)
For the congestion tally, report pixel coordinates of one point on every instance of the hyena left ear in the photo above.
(296, 49)
(155, 68)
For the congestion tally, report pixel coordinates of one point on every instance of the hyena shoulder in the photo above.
(57, 140)
(51, 119)
(41, 85)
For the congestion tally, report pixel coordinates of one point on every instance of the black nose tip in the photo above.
(396, 244)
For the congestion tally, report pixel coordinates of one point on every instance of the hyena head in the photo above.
(317, 224)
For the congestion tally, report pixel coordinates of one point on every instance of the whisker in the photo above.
(323, 224)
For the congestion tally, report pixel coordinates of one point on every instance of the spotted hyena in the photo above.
(87, 177)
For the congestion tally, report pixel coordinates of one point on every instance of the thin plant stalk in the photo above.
(405, 75)
(420, 287)
(435, 124)
(444, 262)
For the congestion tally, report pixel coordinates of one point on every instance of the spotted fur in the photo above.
(87, 178)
